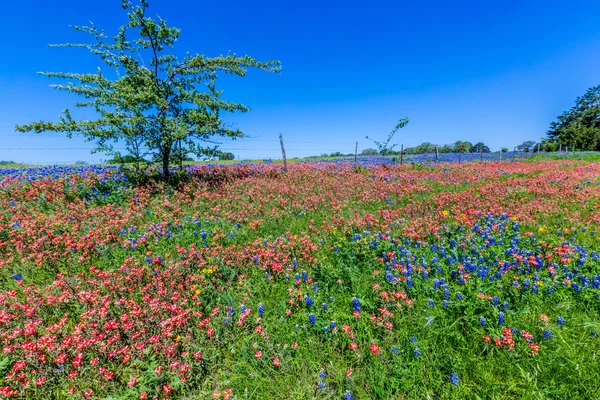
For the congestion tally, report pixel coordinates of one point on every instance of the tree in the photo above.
(462, 147)
(579, 126)
(369, 152)
(425, 148)
(479, 147)
(526, 146)
(155, 106)
(226, 156)
(384, 148)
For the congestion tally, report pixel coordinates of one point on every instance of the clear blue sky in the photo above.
(499, 72)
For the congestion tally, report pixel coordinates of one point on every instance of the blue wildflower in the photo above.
(431, 303)
(501, 318)
(324, 306)
(417, 353)
(356, 304)
(261, 309)
(309, 302)
(17, 277)
(482, 321)
(561, 321)
(312, 319)
(454, 379)
(547, 334)
(348, 395)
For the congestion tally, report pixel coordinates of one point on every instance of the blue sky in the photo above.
(498, 72)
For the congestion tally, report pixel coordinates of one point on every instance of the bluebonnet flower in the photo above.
(333, 325)
(550, 290)
(321, 385)
(445, 303)
(547, 334)
(395, 350)
(261, 309)
(315, 287)
(515, 331)
(501, 318)
(348, 395)
(482, 321)
(17, 277)
(429, 320)
(561, 321)
(495, 301)
(417, 352)
(304, 276)
(413, 339)
(312, 319)
(356, 304)
(454, 379)
(309, 302)
(242, 308)
(431, 303)
(459, 296)
(322, 374)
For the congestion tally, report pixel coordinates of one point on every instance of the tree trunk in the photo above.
(165, 163)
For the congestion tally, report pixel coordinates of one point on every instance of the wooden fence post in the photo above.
(355, 152)
(401, 153)
(283, 152)
(436, 154)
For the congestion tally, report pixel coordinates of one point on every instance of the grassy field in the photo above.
(479, 280)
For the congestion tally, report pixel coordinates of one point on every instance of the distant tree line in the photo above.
(426, 147)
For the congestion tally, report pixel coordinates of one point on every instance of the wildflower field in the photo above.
(479, 280)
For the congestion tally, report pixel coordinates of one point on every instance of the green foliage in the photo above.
(480, 147)
(526, 146)
(369, 152)
(384, 148)
(579, 127)
(153, 102)
(462, 147)
(226, 156)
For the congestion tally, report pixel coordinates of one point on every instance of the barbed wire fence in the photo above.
(333, 150)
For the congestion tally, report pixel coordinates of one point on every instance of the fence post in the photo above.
(481, 154)
(459, 157)
(355, 151)
(283, 152)
(539, 148)
(436, 154)
(560, 147)
(401, 153)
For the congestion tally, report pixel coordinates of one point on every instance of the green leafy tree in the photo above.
(385, 148)
(579, 126)
(369, 152)
(153, 102)
(480, 147)
(425, 148)
(226, 156)
(526, 146)
(462, 147)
